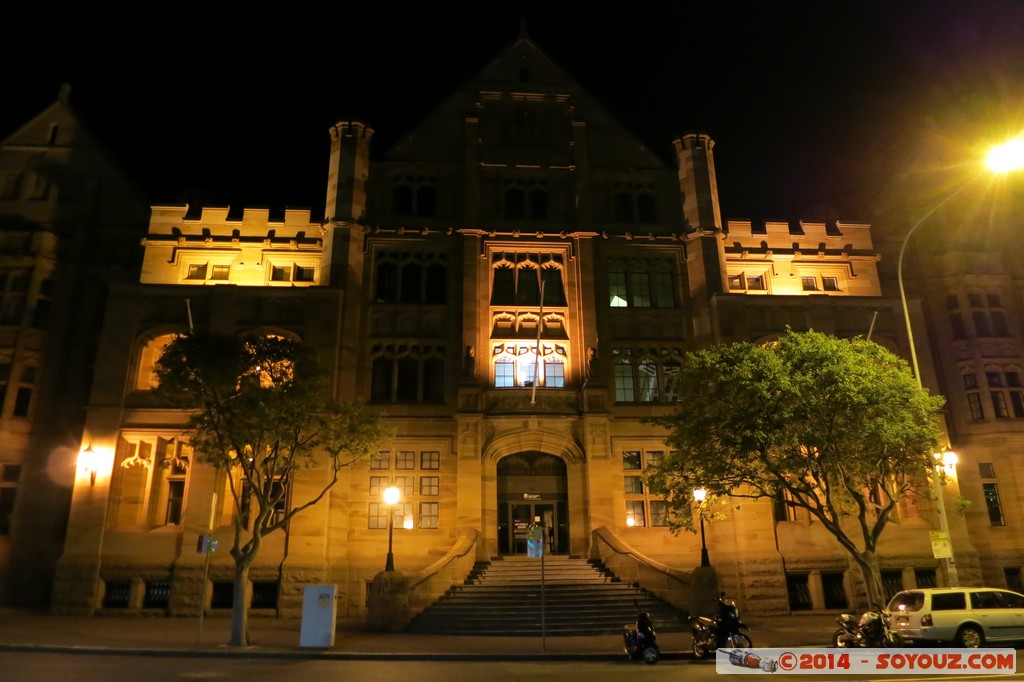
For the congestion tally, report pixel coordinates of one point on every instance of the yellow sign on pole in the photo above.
(941, 549)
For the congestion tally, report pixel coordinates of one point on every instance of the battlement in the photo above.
(214, 221)
(801, 235)
(218, 248)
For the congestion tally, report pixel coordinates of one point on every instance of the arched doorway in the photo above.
(532, 488)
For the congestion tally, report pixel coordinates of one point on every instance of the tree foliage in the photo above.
(260, 411)
(839, 427)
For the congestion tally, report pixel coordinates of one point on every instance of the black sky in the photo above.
(811, 104)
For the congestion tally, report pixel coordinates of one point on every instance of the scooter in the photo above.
(639, 640)
(720, 630)
(870, 630)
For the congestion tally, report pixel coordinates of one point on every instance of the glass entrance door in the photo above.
(520, 515)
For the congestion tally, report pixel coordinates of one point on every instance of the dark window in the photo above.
(7, 495)
(986, 600)
(22, 401)
(175, 501)
(426, 201)
(515, 203)
(304, 274)
(381, 387)
(223, 595)
(1012, 576)
(623, 207)
(280, 273)
(986, 470)
(408, 380)
(433, 380)
(835, 591)
(554, 295)
(970, 381)
(992, 503)
(892, 582)
(528, 291)
(631, 459)
(387, 282)
(952, 302)
(41, 313)
(538, 204)
(981, 326)
(264, 594)
(412, 283)
(924, 577)
(645, 207)
(436, 289)
(799, 592)
(974, 403)
(118, 594)
(956, 321)
(503, 291)
(158, 594)
(401, 200)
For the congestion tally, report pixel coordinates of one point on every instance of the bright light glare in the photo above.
(699, 494)
(1006, 157)
(391, 495)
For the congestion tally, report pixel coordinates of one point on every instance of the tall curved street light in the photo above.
(391, 497)
(1002, 159)
(700, 494)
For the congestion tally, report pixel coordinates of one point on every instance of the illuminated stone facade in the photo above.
(518, 211)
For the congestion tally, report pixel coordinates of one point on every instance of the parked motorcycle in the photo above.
(870, 630)
(639, 639)
(722, 629)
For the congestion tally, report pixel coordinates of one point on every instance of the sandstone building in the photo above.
(513, 283)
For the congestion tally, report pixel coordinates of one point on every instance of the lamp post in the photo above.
(1004, 158)
(391, 496)
(699, 494)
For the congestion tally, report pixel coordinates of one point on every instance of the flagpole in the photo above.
(540, 325)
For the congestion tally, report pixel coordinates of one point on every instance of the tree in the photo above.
(837, 427)
(260, 412)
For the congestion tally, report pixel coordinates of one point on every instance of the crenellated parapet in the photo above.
(801, 258)
(216, 248)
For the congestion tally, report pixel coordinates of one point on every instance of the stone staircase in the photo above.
(503, 597)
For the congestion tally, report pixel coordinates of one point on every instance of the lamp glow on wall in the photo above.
(89, 462)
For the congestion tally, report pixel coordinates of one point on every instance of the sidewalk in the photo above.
(22, 630)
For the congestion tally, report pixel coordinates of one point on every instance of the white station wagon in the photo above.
(967, 616)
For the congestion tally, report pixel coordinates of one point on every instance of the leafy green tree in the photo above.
(260, 412)
(838, 427)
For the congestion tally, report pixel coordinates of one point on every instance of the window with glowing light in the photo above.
(515, 365)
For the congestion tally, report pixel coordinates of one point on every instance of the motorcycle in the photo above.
(870, 630)
(639, 640)
(720, 630)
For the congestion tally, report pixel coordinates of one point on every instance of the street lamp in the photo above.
(391, 496)
(1004, 158)
(699, 494)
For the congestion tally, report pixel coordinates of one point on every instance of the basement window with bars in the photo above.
(799, 592)
(264, 594)
(118, 594)
(157, 595)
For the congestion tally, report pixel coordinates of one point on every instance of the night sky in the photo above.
(812, 105)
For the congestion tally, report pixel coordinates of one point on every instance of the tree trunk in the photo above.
(868, 562)
(240, 606)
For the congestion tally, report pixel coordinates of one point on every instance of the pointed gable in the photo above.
(526, 108)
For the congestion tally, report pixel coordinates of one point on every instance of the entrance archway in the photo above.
(532, 487)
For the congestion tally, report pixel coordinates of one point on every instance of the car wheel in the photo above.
(970, 637)
(650, 655)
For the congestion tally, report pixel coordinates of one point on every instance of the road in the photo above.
(52, 667)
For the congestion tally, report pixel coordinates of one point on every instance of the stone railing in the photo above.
(667, 583)
(428, 585)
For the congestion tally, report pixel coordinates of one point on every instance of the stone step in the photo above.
(503, 597)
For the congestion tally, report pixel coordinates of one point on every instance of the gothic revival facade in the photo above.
(514, 284)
